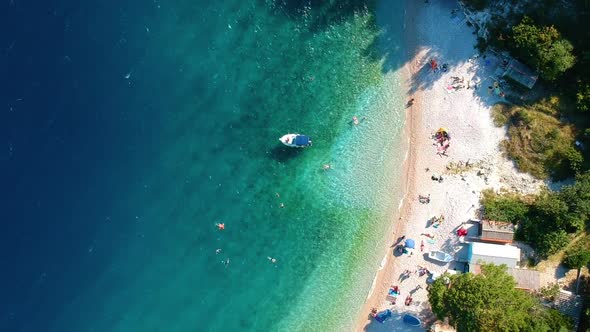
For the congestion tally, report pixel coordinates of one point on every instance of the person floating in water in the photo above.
(355, 120)
(220, 226)
(327, 167)
(272, 260)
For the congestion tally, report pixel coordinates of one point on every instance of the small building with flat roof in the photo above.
(496, 231)
(480, 253)
(520, 73)
(529, 280)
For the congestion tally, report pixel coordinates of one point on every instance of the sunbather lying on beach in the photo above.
(422, 271)
(408, 300)
(424, 199)
(394, 290)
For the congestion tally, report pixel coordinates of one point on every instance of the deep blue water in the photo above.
(129, 128)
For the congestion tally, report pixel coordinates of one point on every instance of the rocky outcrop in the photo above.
(482, 20)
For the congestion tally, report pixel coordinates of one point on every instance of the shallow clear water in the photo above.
(188, 102)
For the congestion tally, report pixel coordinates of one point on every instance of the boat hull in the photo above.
(440, 256)
(295, 140)
(411, 320)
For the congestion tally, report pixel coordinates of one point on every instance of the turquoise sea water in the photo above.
(193, 97)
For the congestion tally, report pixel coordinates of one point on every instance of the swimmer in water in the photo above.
(217, 251)
(327, 167)
(272, 260)
(282, 205)
(355, 120)
(277, 194)
(220, 226)
(226, 263)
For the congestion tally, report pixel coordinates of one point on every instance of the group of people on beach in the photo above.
(436, 68)
(496, 89)
(424, 199)
(443, 138)
(395, 290)
(457, 83)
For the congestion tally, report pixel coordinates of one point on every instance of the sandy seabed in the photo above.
(438, 30)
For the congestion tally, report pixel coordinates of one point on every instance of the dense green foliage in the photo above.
(554, 38)
(489, 301)
(578, 255)
(577, 259)
(548, 222)
(543, 48)
(549, 292)
(552, 242)
(503, 208)
(583, 97)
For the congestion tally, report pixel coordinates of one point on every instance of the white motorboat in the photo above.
(296, 140)
(440, 256)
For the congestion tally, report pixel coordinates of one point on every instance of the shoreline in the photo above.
(410, 128)
(433, 31)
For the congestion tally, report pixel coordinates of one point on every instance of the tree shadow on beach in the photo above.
(391, 46)
(388, 46)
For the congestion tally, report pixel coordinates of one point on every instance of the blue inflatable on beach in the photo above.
(411, 320)
(383, 316)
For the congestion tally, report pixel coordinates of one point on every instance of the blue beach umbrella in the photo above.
(410, 244)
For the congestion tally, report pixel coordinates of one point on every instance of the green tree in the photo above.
(548, 320)
(577, 199)
(503, 208)
(543, 48)
(577, 258)
(583, 97)
(552, 242)
(565, 161)
(547, 212)
(489, 302)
